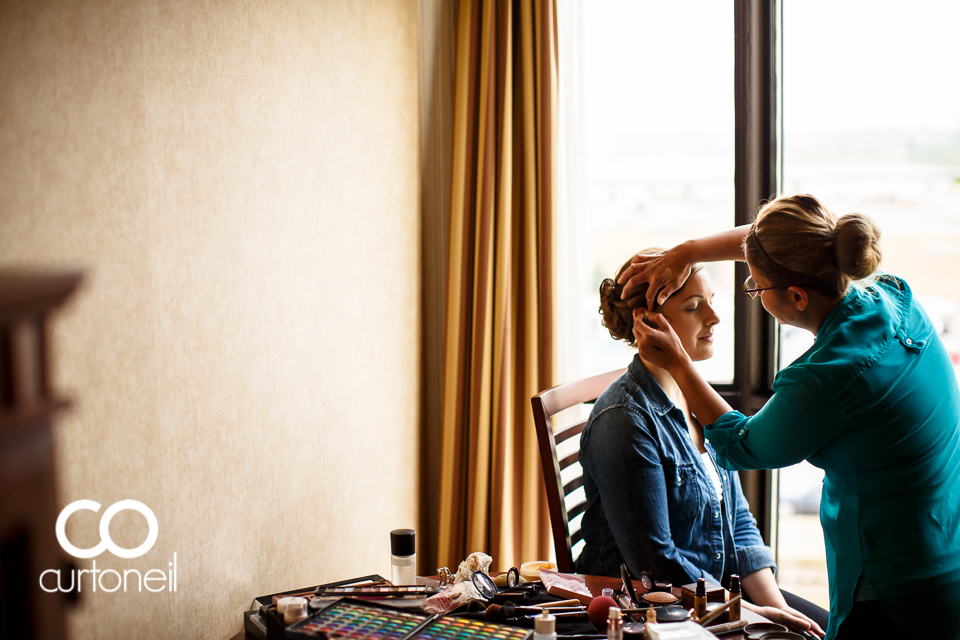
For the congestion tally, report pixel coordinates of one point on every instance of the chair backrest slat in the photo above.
(569, 460)
(546, 405)
(576, 510)
(569, 432)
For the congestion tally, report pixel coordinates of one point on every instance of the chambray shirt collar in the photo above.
(651, 393)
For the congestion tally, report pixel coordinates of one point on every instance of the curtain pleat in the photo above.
(499, 348)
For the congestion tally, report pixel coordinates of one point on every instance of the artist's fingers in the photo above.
(637, 265)
(660, 320)
(628, 273)
(639, 277)
(656, 282)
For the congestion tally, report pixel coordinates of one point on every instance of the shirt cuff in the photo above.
(754, 558)
(729, 427)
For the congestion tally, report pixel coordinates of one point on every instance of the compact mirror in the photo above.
(628, 585)
(513, 577)
(484, 585)
(646, 581)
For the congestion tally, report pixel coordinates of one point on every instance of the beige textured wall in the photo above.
(240, 181)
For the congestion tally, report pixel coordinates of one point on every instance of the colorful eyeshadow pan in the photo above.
(360, 620)
(457, 628)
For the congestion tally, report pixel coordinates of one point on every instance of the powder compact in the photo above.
(672, 614)
(659, 598)
(757, 630)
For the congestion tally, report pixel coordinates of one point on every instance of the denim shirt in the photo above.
(650, 502)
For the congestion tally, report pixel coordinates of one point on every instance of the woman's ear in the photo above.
(799, 297)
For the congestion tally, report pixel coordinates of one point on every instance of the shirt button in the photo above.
(909, 341)
(742, 431)
(716, 514)
(719, 555)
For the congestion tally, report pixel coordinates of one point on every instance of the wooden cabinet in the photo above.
(28, 497)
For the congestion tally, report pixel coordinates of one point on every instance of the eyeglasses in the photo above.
(753, 292)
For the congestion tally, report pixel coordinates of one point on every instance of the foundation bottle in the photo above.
(733, 613)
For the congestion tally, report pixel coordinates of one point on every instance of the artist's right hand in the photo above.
(666, 273)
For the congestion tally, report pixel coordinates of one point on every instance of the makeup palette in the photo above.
(375, 591)
(351, 619)
(458, 628)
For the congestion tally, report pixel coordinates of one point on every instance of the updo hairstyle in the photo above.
(796, 241)
(616, 313)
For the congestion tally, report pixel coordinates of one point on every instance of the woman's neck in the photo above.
(816, 313)
(672, 391)
(666, 381)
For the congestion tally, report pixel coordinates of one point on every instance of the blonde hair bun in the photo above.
(857, 246)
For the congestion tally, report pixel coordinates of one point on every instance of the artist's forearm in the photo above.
(726, 245)
(762, 589)
(704, 402)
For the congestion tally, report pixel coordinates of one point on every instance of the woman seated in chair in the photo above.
(657, 500)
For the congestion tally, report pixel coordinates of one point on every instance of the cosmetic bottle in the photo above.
(651, 615)
(403, 556)
(733, 613)
(700, 599)
(545, 627)
(614, 624)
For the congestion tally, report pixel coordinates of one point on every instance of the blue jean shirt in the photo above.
(651, 503)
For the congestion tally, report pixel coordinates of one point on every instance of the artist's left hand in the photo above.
(661, 345)
(786, 616)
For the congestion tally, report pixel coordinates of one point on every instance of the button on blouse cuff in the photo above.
(729, 427)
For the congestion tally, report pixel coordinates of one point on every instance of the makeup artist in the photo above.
(874, 402)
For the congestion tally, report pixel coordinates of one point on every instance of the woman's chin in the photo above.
(703, 353)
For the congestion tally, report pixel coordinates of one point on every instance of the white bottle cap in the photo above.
(283, 603)
(295, 611)
(545, 624)
(614, 613)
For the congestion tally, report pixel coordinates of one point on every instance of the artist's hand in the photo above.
(786, 616)
(667, 271)
(659, 345)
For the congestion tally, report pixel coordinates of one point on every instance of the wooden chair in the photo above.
(546, 405)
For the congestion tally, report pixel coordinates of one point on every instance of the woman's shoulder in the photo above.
(860, 332)
(634, 392)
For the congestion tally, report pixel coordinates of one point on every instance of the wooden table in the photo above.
(596, 584)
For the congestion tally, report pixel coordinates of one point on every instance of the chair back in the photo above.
(563, 477)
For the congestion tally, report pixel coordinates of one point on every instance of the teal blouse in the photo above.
(876, 405)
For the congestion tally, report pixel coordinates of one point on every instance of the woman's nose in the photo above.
(712, 318)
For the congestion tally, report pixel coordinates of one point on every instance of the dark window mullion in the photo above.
(755, 181)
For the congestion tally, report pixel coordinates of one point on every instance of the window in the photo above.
(658, 145)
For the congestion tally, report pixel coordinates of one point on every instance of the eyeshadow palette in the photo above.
(458, 628)
(350, 619)
(375, 591)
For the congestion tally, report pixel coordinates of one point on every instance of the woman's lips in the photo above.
(707, 338)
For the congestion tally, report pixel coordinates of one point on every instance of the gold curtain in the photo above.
(499, 344)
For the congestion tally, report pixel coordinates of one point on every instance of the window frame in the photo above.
(757, 177)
